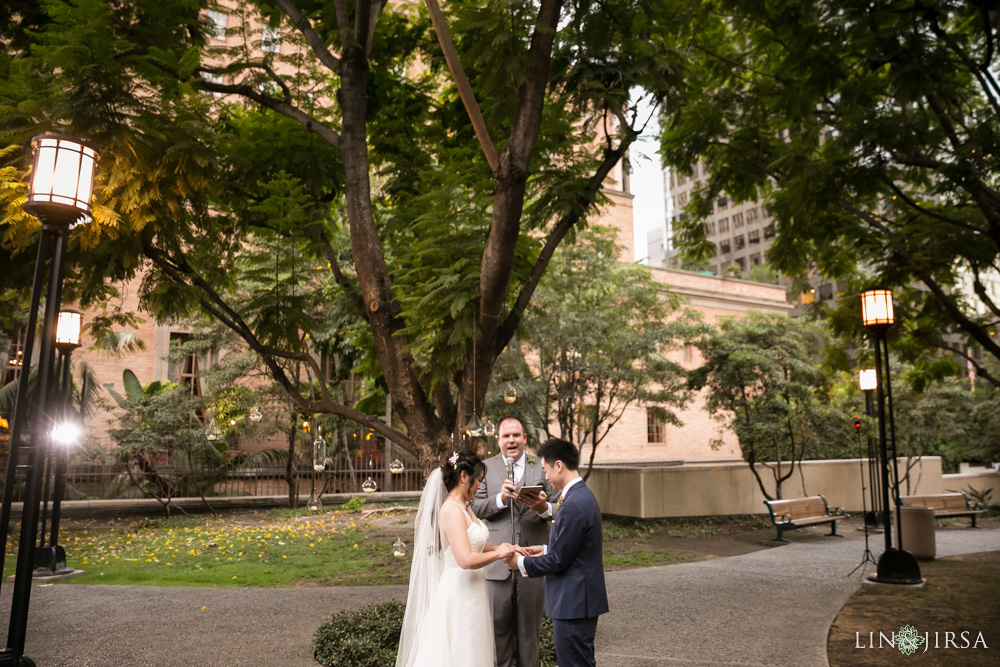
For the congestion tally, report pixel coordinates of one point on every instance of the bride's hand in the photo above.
(504, 551)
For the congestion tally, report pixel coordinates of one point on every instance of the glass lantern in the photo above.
(473, 428)
(510, 393)
(319, 454)
(489, 428)
(369, 486)
(396, 467)
(314, 504)
(256, 415)
(399, 548)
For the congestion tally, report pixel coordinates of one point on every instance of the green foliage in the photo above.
(601, 330)
(765, 383)
(982, 496)
(354, 504)
(870, 131)
(368, 637)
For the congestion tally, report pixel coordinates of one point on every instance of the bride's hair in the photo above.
(467, 462)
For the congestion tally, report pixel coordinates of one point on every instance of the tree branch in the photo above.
(315, 42)
(462, 83)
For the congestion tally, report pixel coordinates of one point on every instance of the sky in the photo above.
(648, 207)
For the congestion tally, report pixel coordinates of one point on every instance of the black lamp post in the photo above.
(50, 558)
(868, 381)
(895, 566)
(62, 180)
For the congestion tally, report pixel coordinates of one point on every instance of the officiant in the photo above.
(521, 519)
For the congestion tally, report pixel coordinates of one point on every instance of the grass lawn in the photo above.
(260, 549)
(333, 547)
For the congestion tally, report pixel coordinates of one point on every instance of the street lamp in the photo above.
(868, 381)
(50, 559)
(895, 566)
(62, 180)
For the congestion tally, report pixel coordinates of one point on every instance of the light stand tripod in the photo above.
(868, 556)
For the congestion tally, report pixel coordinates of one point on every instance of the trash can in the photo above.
(917, 527)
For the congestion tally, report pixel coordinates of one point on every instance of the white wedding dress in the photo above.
(456, 630)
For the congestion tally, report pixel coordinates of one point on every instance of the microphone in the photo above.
(509, 462)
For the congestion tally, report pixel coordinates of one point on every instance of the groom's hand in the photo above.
(511, 561)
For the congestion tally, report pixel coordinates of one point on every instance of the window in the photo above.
(753, 236)
(655, 429)
(15, 360)
(737, 220)
(754, 260)
(721, 204)
(723, 225)
(187, 368)
(752, 215)
(217, 23)
(742, 263)
(769, 232)
(688, 352)
(711, 229)
(724, 247)
(270, 38)
(740, 242)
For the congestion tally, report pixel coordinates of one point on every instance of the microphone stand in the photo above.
(514, 575)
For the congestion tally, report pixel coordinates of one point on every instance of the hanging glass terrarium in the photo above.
(489, 428)
(212, 432)
(399, 548)
(256, 415)
(314, 504)
(396, 467)
(510, 393)
(319, 454)
(369, 486)
(473, 428)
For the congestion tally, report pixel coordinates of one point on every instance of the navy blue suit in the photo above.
(575, 593)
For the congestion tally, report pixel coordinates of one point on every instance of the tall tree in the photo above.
(765, 383)
(597, 339)
(872, 132)
(436, 219)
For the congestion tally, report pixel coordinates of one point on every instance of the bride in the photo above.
(447, 609)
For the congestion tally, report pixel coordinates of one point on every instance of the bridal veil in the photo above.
(425, 572)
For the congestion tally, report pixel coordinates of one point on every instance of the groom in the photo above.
(575, 594)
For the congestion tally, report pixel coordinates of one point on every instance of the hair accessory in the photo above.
(454, 458)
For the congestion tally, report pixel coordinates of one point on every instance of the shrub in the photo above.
(368, 637)
(354, 504)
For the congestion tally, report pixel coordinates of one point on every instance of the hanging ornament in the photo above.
(510, 393)
(212, 432)
(256, 415)
(319, 454)
(489, 428)
(369, 486)
(473, 428)
(232, 422)
(314, 504)
(396, 467)
(399, 548)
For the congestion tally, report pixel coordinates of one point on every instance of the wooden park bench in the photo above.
(946, 504)
(800, 512)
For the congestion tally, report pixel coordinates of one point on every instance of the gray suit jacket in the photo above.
(531, 528)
